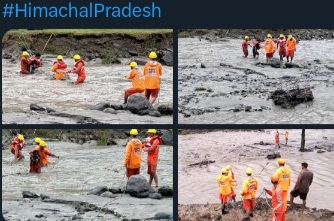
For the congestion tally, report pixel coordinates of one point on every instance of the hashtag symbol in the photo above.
(8, 10)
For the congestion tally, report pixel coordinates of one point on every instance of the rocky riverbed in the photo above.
(62, 188)
(217, 85)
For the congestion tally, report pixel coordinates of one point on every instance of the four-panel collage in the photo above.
(99, 124)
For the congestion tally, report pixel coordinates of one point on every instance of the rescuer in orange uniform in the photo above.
(25, 63)
(286, 137)
(132, 158)
(152, 146)
(79, 69)
(59, 68)
(138, 82)
(233, 182)
(291, 48)
(281, 46)
(278, 213)
(245, 45)
(224, 186)
(43, 153)
(152, 71)
(269, 47)
(284, 175)
(248, 192)
(277, 140)
(17, 146)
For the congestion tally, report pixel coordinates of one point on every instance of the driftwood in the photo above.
(288, 99)
(204, 162)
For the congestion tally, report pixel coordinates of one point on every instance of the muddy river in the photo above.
(209, 95)
(80, 169)
(103, 84)
(197, 184)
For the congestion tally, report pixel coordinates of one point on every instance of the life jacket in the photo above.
(81, 72)
(153, 139)
(61, 64)
(281, 42)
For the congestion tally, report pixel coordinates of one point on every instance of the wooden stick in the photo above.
(47, 42)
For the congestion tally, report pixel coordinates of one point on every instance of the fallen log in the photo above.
(204, 162)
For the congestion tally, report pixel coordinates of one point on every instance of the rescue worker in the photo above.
(138, 82)
(248, 192)
(245, 45)
(132, 158)
(34, 62)
(152, 148)
(302, 185)
(152, 72)
(35, 162)
(269, 47)
(291, 48)
(224, 186)
(286, 137)
(17, 146)
(59, 68)
(79, 69)
(277, 146)
(25, 63)
(284, 176)
(256, 47)
(43, 153)
(278, 213)
(233, 182)
(281, 46)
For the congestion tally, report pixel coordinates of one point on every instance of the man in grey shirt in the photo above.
(301, 188)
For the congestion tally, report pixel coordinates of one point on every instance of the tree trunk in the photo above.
(302, 145)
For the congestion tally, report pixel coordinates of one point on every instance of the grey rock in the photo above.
(138, 186)
(166, 191)
(108, 194)
(203, 65)
(167, 59)
(43, 196)
(167, 137)
(156, 196)
(162, 215)
(117, 107)
(140, 60)
(110, 110)
(100, 106)
(137, 103)
(154, 113)
(248, 108)
(28, 194)
(165, 109)
(35, 107)
(115, 190)
(98, 190)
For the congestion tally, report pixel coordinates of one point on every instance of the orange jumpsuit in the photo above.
(35, 164)
(224, 186)
(24, 65)
(138, 82)
(286, 137)
(152, 71)
(269, 47)
(132, 158)
(79, 69)
(152, 149)
(16, 147)
(43, 154)
(248, 192)
(277, 139)
(291, 47)
(59, 67)
(284, 175)
(277, 203)
(233, 182)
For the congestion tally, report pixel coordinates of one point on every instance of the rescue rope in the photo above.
(47, 41)
(25, 44)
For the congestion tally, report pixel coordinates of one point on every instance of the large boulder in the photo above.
(167, 59)
(138, 186)
(162, 215)
(167, 137)
(36, 107)
(98, 190)
(138, 103)
(288, 99)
